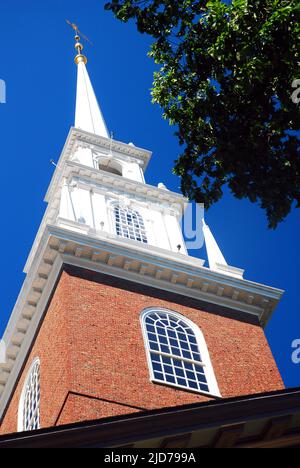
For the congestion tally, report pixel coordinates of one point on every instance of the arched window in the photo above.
(129, 224)
(29, 407)
(177, 352)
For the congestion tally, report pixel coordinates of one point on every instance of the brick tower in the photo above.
(115, 317)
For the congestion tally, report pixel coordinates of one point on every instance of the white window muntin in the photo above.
(129, 223)
(29, 405)
(203, 360)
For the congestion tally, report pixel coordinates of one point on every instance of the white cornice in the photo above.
(108, 180)
(124, 259)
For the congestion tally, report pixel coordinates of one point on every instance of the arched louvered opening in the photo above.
(111, 166)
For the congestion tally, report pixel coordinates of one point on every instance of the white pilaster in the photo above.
(66, 211)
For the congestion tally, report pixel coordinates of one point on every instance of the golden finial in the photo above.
(78, 46)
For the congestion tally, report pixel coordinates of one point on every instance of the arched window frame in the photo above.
(213, 388)
(21, 409)
(140, 233)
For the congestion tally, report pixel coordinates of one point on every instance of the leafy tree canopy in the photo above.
(225, 81)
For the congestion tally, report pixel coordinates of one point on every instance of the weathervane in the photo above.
(78, 46)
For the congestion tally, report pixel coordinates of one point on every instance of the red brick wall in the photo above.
(93, 361)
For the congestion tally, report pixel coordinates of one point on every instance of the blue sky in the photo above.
(37, 66)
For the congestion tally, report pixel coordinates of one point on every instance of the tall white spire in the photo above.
(88, 114)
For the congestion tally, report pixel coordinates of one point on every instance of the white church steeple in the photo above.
(88, 115)
(104, 218)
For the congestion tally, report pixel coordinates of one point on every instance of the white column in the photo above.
(65, 210)
(101, 212)
(174, 233)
